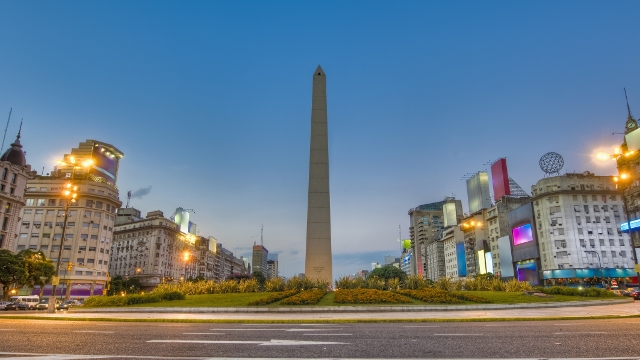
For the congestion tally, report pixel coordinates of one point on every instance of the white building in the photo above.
(578, 219)
(450, 238)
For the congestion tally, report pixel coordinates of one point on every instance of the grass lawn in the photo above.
(211, 300)
(243, 299)
(501, 297)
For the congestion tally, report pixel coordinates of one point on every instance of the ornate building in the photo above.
(13, 182)
(85, 249)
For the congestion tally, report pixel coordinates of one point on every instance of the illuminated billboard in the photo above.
(500, 179)
(522, 234)
(478, 192)
(527, 271)
(462, 259)
(105, 164)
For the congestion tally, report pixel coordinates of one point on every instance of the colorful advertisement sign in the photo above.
(500, 179)
(522, 234)
(527, 271)
(105, 164)
(462, 259)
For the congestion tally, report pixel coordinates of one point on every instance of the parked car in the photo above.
(44, 304)
(17, 305)
(3, 304)
(629, 291)
(68, 304)
(635, 294)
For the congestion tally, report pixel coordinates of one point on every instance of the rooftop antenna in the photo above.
(11, 110)
(625, 97)
(128, 197)
(261, 229)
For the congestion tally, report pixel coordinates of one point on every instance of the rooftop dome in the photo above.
(14, 154)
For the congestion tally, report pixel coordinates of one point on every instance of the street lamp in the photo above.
(75, 165)
(623, 182)
(69, 192)
(185, 257)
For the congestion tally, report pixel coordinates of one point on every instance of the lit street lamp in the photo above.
(69, 192)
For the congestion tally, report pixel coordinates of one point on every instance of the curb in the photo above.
(348, 309)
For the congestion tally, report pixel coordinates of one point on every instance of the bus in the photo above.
(32, 301)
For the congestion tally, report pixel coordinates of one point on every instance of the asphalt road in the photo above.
(532, 339)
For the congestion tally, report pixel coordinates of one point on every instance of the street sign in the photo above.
(55, 281)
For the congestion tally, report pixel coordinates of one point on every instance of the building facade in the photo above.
(425, 223)
(578, 219)
(85, 250)
(451, 237)
(259, 259)
(498, 226)
(14, 172)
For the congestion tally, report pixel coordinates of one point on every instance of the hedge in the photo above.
(103, 301)
(571, 291)
(368, 296)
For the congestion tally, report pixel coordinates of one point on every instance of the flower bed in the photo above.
(308, 297)
(437, 296)
(274, 298)
(368, 296)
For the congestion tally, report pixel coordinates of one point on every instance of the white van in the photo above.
(32, 301)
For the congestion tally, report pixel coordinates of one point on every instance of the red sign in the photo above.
(500, 179)
(614, 283)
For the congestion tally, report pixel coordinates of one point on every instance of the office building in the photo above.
(86, 246)
(425, 223)
(272, 266)
(259, 259)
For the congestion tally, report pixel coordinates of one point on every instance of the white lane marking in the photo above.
(422, 326)
(569, 324)
(498, 325)
(202, 333)
(457, 334)
(267, 343)
(328, 334)
(273, 329)
(93, 331)
(580, 332)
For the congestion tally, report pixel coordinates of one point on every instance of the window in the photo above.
(592, 242)
(57, 236)
(78, 272)
(92, 190)
(601, 242)
(90, 261)
(582, 243)
(85, 224)
(609, 231)
(597, 220)
(29, 202)
(46, 235)
(596, 208)
(27, 211)
(92, 248)
(71, 224)
(35, 235)
(69, 236)
(82, 248)
(578, 220)
(49, 212)
(52, 202)
(87, 214)
(55, 248)
(44, 248)
(94, 237)
(576, 208)
(561, 244)
(580, 231)
(95, 226)
(561, 254)
(89, 203)
(7, 208)
(584, 197)
(20, 247)
(621, 242)
(623, 254)
(607, 220)
(40, 202)
(33, 247)
(4, 174)
(605, 207)
(604, 254)
(39, 212)
(84, 236)
(587, 219)
(101, 192)
(554, 209)
(610, 242)
(586, 209)
(98, 204)
(613, 254)
(575, 197)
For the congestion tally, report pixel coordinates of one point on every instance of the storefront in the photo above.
(591, 277)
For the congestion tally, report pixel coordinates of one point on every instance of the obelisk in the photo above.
(318, 263)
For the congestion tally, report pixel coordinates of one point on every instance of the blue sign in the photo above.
(634, 224)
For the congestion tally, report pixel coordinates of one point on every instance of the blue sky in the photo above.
(210, 102)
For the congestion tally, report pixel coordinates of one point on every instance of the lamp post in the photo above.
(185, 257)
(69, 192)
(623, 182)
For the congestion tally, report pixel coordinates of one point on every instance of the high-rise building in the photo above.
(453, 240)
(497, 222)
(318, 262)
(85, 250)
(259, 259)
(478, 192)
(425, 223)
(272, 266)
(13, 183)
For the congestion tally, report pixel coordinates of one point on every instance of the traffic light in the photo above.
(69, 266)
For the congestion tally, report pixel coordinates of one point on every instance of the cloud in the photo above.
(138, 194)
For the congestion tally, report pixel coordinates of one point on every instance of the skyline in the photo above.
(413, 105)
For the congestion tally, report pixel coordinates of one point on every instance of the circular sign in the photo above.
(614, 283)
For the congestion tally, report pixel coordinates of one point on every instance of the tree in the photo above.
(118, 285)
(387, 273)
(258, 275)
(12, 271)
(40, 270)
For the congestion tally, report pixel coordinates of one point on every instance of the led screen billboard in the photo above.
(527, 271)
(522, 234)
(500, 179)
(462, 259)
(105, 164)
(478, 192)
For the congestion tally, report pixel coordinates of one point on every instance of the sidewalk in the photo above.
(619, 309)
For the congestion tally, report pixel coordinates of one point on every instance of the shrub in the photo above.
(368, 296)
(444, 283)
(275, 284)
(228, 286)
(415, 282)
(394, 284)
(375, 283)
(514, 285)
(293, 284)
(307, 297)
(387, 272)
(274, 298)
(248, 285)
(103, 301)
(344, 283)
